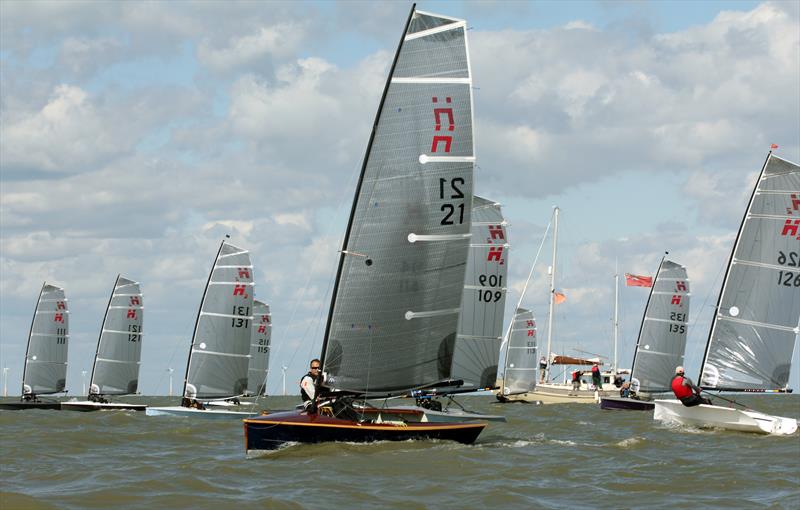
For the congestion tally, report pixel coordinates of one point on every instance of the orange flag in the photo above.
(773, 146)
(559, 297)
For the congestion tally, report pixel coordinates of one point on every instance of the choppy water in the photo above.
(558, 456)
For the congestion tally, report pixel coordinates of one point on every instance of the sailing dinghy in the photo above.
(757, 317)
(396, 300)
(45, 371)
(115, 371)
(216, 372)
(519, 375)
(662, 339)
(261, 340)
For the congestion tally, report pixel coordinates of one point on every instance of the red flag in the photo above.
(559, 297)
(632, 280)
(773, 146)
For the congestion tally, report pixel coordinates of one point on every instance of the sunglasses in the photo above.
(314, 368)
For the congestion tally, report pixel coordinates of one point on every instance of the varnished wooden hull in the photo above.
(275, 430)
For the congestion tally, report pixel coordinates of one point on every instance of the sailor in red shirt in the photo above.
(686, 391)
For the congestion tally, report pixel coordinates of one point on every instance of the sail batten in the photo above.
(115, 370)
(758, 313)
(405, 194)
(45, 369)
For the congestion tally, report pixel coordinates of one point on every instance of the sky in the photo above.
(135, 135)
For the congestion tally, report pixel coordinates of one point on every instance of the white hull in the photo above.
(200, 413)
(711, 416)
(563, 394)
(88, 405)
(452, 415)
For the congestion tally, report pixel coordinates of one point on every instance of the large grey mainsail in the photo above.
(756, 324)
(519, 375)
(480, 327)
(220, 352)
(45, 368)
(119, 348)
(394, 311)
(260, 343)
(662, 337)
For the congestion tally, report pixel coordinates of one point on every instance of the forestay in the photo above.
(220, 352)
(397, 296)
(260, 344)
(753, 335)
(480, 326)
(662, 337)
(520, 364)
(45, 368)
(119, 348)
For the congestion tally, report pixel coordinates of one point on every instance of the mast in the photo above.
(197, 320)
(728, 269)
(99, 338)
(552, 292)
(644, 314)
(30, 332)
(616, 315)
(343, 253)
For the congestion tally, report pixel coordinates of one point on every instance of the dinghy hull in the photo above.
(22, 406)
(727, 418)
(626, 404)
(197, 413)
(270, 432)
(87, 405)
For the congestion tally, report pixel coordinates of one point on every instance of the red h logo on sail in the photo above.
(680, 286)
(531, 332)
(790, 228)
(530, 324)
(437, 115)
(495, 253)
(59, 317)
(238, 290)
(795, 204)
(131, 313)
(262, 329)
(496, 232)
(60, 305)
(676, 300)
(135, 300)
(265, 318)
(244, 272)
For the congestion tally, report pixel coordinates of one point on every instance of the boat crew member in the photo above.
(597, 380)
(576, 380)
(542, 369)
(685, 390)
(625, 390)
(309, 386)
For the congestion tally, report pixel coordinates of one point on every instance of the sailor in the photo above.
(542, 368)
(685, 390)
(576, 380)
(625, 390)
(309, 386)
(597, 380)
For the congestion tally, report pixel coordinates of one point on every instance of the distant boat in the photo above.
(45, 371)
(260, 344)
(662, 339)
(519, 374)
(216, 372)
(757, 317)
(115, 370)
(396, 300)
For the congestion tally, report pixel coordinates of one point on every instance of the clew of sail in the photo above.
(220, 352)
(480, 326)
(520, 363)
(45, 368)
(397, 296)
(662, 336)
(119, 348)
(260, 343)
(756, 323)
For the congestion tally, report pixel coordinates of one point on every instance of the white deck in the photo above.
(727, 418)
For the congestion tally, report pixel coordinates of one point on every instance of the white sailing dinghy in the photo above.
(115, 371)
(757, 318)
(260, 344)
(519, 374)
(216, 372)
(45, 371)
(477, 344)
(662, 339)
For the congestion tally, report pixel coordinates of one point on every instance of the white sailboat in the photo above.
(757, 317)
(45, 371)
(216, 372)
(115, 370)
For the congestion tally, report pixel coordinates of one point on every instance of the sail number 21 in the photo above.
(448, 190)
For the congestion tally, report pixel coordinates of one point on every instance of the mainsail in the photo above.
(662, 337)
(261, 340)
(520, 363)
(46, 356)
(756, 323)
(220, 352)
(119, 348)
(397, 296)
(480, 326)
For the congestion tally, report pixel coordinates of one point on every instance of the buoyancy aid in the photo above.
(679, 389)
